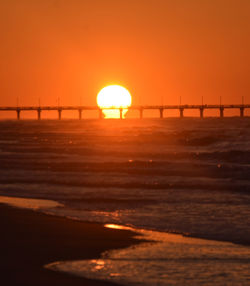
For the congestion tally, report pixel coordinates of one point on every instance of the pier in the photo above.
(140, 109)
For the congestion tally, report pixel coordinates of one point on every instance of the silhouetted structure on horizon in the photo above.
(140, 108)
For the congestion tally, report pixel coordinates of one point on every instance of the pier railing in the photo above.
(139, 108)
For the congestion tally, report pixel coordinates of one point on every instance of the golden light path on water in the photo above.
(115, 96)
(27, 203)
(168, 259)
(116, 226)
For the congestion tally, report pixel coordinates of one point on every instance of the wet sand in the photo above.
(29, 240)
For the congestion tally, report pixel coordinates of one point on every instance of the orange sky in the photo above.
(72, 48)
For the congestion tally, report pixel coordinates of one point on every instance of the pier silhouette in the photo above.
(139, 108)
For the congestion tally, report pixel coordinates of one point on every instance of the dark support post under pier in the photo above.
(18, 111)
(201, 112)
(242, 112)
(59, 114)
(121, 113)
(141, 113)
(181, 112)
(221, 112)
(100, 114)
(161, 112)
(39, 111)
(80, 114)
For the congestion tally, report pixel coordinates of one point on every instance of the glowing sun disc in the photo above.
(114, 96)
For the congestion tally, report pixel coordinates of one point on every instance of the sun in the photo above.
(115, 96)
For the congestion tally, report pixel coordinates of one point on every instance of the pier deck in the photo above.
(139, 108)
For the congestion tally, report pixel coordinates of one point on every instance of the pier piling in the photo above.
(18, 112)
(181, 112)
(39, 114)
(59, 114)
(221, 112)
(80, 114)
(242, 109)
(201, 112)
(161, 112)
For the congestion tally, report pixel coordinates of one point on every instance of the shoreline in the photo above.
(32, 239)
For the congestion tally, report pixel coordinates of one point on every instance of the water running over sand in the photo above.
(170, 260)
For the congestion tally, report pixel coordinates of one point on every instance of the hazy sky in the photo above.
(72, 48)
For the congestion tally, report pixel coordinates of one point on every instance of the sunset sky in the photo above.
(155, 48)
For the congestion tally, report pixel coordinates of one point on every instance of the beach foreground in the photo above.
(29, 240)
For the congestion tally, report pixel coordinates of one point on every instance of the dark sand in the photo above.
(29, 240)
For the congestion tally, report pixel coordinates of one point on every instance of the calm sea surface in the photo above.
(182, 176)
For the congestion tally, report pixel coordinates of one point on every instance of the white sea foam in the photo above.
(25, 203)
(170, 260)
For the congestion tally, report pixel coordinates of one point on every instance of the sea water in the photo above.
(181, 176)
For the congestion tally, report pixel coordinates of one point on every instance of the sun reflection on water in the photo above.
(98, 264)
(116, 226)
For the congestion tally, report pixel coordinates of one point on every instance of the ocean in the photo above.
(184, 183)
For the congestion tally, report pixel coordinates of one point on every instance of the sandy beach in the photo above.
(29, 240)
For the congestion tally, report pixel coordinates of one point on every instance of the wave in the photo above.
(188, 176)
